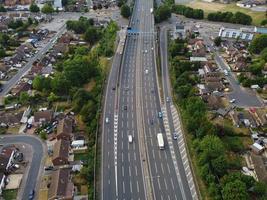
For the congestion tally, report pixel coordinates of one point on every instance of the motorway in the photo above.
(139, 170)
(35, 163)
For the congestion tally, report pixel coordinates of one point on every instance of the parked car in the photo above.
(175, 136)
(160, 114)
(50, 167)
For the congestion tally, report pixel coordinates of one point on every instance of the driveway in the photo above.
(33, 172)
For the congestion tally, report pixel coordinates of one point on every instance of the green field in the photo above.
(213, 7)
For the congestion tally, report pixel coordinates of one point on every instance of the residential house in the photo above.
(179, 31)
(61, 152)
(199, 49)
(214, 86)
(2, 182)
(61, 186)
(260, 116)
(213, 102)
(231, 33)
(21, 87)
(44, 116)
(10, 119)
(257, 148)
(260, 167)
(6, 159)
(64, 129)
(250, 3)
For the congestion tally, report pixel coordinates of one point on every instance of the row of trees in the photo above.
(46, 9)
(237, 18)
(212, 144)
(162, 13)
(188, 12)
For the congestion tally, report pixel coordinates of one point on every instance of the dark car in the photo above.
(49, 168)
(125, 107)
(31, 195)
(1, 89)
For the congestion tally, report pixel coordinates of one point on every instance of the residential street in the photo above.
(30, 179)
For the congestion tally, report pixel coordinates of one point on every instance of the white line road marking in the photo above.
(166, 186)
(135, 170)
(172, 184)
(137, 184)
(123, 187)
(122, 170)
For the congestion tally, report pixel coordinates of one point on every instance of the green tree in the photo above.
(91, 35)
(125, 11)
(163, 12)
(2, 8)
(218, 41)
(34, 8)
(24, 98)
(211, 147)
(258, 43)
(234, 190)
(52, 97)
(47, 9)
(43, 135)
(41, 83)
(2, 52)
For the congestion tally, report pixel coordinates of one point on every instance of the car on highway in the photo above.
(160, 114)
(114, 88)
(31, 195)
(175, 136)
(107, 120)
(146, 71)
(130, 138)
(168, 99)
(125, 107)
(232, 101)
(145, 51)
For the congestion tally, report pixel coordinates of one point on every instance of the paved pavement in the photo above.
(34, 171)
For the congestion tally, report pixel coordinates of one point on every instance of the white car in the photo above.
(130, 138)
(146, 71)
(232, 101)
(107, 120)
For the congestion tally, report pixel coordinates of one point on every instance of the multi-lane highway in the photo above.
(139, 170)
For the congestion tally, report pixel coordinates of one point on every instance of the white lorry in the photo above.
(160, 140)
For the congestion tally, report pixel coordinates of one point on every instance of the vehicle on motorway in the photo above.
(175, 136)
(146, 71)
(130, 138)
(125, 107)
(225, 72)
(31, 195)
(168, 99)
(114, 88)
(232, 101)
(151, 10)
(160, 114)
(145, 51)
(160, 140)
(107, 120)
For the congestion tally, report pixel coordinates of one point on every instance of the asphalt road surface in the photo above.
(138, 170)
(35, 163)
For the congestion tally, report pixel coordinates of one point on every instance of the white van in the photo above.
(130, 138)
